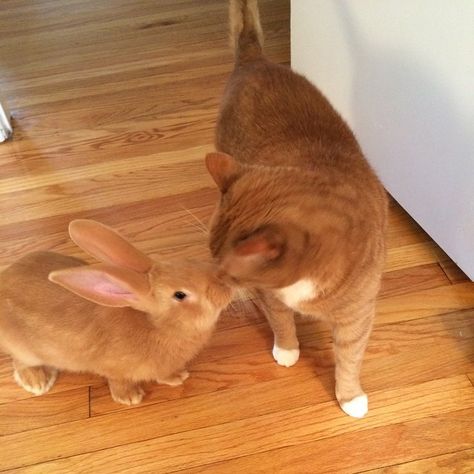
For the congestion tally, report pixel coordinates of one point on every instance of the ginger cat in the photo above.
(302, 216)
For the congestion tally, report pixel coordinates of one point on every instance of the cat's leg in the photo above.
(286, 350)
(36, 380)
(351, 332)
(126, 392)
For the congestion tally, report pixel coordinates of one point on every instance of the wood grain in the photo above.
(402, 230)
(453, 272)
(50, 409)
(461, 462)
(425, 303)
(66, 382)
(229, 440)
(391, 347)
(412, 255)
(114, 106)
(411, 279)
(349, 453)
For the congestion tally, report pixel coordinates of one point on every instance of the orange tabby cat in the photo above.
(302, 216)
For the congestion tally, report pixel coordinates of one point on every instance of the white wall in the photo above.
(401, 72)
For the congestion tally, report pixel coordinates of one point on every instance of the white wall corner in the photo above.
(6, 129)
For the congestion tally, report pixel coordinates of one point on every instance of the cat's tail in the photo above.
(245, 30)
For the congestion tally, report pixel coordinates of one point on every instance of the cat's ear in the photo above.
(251, 254)
(265, 244)
(261, 255)
(223, 169)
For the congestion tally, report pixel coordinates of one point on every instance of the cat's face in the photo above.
(252, 236)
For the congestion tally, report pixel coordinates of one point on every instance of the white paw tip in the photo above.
(285, 357)
(357, 407)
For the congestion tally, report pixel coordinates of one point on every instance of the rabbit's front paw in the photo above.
(176, 379)
(184, 375)
(126, 394)
(36, 380)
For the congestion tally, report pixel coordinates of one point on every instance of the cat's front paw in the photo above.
(285, 357)
(357, 407)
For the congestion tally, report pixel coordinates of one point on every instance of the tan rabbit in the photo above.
(129, 319)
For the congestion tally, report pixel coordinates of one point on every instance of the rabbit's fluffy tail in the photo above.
(245, 30)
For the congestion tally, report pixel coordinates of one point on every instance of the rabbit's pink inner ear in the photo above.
(103, 285)
(107, 245)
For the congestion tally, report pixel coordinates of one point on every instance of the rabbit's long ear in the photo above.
(108, 246)
(105, 284)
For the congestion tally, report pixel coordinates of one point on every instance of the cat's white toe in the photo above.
(357, 407)
(285, 357)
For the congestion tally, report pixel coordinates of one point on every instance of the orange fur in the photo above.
(300, 207)
(141, 334)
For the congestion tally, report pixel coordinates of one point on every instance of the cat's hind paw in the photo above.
(357, 407)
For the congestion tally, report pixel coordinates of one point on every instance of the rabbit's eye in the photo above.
(180, 295)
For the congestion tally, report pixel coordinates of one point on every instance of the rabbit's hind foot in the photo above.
(36, 380)
(175, 379)
(126, 393)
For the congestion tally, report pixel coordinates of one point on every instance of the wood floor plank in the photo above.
(461, 462)
(402, 229)
(413, 255)
(385, 338)
(112, 429)
(349, 453)
(46, 410)
(242, 356)
(114, 106)
(453, 272)
(163, 227)
(11, 392)
(389, 350)
(424, 303)
(380, 371)
(224, 441)
(101, 190)
(410, 279)
(55, 177)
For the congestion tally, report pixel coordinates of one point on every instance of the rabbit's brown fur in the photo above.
(302, 215)
(45, 327)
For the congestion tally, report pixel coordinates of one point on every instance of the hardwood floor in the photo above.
(114, 104)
